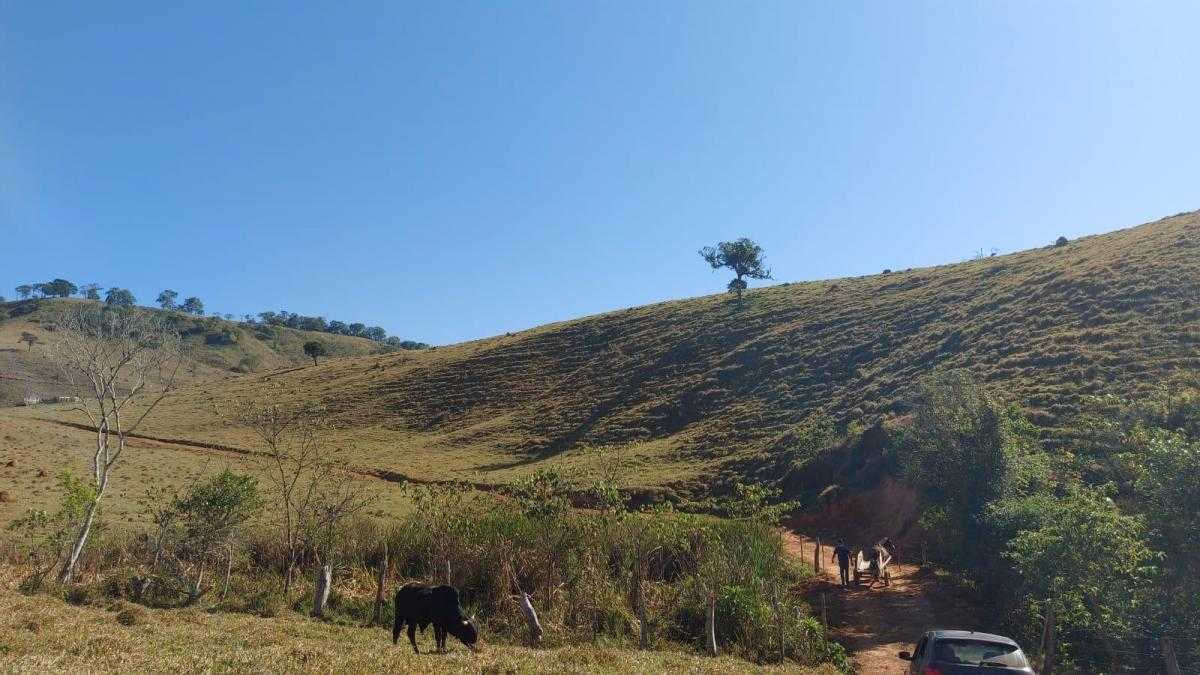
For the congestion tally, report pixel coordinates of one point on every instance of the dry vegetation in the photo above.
(43, 634)
(697, 388)
(215, 348)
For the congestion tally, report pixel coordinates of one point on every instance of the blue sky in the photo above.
(453, 170)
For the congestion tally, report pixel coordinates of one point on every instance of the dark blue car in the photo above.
(959, 652)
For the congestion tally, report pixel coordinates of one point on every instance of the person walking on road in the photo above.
(842, 555)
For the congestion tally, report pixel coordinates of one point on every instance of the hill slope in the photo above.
(215, 348)
(690, 388)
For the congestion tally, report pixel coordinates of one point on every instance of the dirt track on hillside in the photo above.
(875, 623)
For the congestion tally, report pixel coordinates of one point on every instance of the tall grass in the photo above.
(587, 573)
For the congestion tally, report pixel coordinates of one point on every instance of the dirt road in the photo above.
(876, 623)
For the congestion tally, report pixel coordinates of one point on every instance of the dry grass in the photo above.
(42, 634)
(39, 451)
(699, 388)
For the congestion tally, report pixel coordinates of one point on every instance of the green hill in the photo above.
(215, 348)
(694, 389)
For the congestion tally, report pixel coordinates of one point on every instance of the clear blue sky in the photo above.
(454, 170)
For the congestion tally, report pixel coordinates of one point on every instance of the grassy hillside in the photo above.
(689, 389)
(215, 348)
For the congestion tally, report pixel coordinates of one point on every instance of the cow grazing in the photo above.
(418, 606)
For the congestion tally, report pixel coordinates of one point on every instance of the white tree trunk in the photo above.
(68, 570)
(321, 594)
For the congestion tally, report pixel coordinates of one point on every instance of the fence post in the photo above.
(1048, 641)
(817, 556)
(381, 581)
(1170, 659)
(824, 612)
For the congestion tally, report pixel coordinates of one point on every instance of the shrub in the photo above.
(79, 595)
(129, 614)
(267, 603)
(248, 364)
(1061, 241)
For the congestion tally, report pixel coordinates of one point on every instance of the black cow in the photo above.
(419, 606)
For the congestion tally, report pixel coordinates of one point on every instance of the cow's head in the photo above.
(465, 631)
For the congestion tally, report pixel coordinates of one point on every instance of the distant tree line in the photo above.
(319, 324)
(122, 297)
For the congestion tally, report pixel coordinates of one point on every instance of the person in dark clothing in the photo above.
(842, 555)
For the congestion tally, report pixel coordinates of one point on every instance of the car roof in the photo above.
(971, 635)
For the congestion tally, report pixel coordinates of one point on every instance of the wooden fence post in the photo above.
(321, 590)
(380, 583)
(824, 612)
(1170, 659)
(1048, 642)
(531, 618)
(817, 556)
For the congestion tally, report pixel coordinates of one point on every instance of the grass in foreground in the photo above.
(43, 634)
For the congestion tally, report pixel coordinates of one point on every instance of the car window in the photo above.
(976, 652)
(920, 650)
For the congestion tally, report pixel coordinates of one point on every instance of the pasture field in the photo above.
(43, 634)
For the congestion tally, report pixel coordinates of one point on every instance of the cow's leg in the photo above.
(439, 636)
(412, 636)
(397, 624)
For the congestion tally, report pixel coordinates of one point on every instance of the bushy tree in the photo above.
(743, 257)
(29, 339)
(59, 288)
(195, 527)
(119, 297)
(1090, 562)
(193, 305)
(166, 299)
(90, 291)
(24, 291)
(962, 455)
(314, 349)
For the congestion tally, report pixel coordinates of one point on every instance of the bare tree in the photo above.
(124, 363)
(314, 496)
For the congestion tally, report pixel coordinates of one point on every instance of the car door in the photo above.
(918, 660)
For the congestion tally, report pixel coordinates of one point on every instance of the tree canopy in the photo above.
(314, 349)
(119, 297)
(743, 257)
(166, 299)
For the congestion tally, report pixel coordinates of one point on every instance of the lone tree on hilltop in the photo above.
(119, 297)
(124, 363)
(315, 349)
(193, 305)
(166, 299)
(743, 257)
(29, 339)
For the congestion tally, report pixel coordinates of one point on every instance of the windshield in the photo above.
(979, 652)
